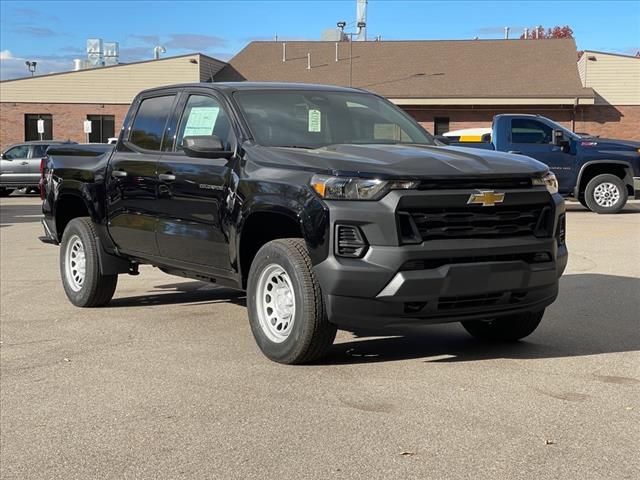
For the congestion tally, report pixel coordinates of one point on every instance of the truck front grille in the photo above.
(478, 222)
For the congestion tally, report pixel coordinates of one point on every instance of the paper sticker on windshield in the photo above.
(315, 120)
(201, 121)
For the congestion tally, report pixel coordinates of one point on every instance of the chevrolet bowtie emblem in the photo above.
(486, 198)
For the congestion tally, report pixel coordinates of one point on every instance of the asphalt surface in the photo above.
(167, 382)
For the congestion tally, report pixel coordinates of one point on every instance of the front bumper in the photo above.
(463, 279)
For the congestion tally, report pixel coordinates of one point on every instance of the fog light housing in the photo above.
(350, 242)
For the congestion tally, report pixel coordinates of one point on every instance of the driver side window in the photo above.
(203, 115)
(530, 131)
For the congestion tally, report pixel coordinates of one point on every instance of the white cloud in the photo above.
(5, 55)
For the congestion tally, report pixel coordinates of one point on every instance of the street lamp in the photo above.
(31, 66)
(341, 26)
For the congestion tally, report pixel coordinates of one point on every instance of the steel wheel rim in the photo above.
(75, 263)
(606, 194)
(276, 303)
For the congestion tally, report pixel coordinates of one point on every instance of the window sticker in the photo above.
(315, 120)
(201, 121)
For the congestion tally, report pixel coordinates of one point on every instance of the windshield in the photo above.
(312, 119)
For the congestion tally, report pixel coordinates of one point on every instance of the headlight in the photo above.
(549, 180)
(353, 188)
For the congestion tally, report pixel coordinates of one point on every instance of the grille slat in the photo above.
(477, 222)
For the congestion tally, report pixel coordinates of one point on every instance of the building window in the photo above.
(31, 126)
(440, 125)
(102, 128)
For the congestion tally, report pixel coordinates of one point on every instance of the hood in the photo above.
(397, 161)
(611, 143)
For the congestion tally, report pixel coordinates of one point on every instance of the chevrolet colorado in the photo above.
(601, 173)
(330, 206)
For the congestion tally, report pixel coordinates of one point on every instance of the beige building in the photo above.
(445, 85)
(615, 80)
(65, 100)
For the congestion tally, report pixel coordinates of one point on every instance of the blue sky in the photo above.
(53, 33)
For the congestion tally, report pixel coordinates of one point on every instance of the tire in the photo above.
(91, 288)
(5, 192)
(301, 332)
(505, 329)
(605, 193)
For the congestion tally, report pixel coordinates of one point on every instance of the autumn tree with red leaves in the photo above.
(538, 33)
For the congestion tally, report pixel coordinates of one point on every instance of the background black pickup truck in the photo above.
(330, 206)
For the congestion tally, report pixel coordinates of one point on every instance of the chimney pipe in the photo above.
(337, 52)
(284, 52)
(308, 61)
(506, 33)
(526, 33)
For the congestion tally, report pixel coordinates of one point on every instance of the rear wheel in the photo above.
(505, 329)
(82, 280)
(285, 305)
(605, 193)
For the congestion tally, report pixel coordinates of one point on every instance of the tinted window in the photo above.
(204, 116)
(319, 118)
(150, 121)
(21, 151)
(31, 126)
(529, 131)
(39, 150)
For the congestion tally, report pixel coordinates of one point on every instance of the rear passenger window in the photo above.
(204, 116)
(39, 150)
(529, 131)
(150, 122)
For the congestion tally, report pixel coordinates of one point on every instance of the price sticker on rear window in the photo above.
(315, 120)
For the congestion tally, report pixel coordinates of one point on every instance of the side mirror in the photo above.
(205, 146)
(559, 141)
(558, 137)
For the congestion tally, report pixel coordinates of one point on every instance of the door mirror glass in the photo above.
(204, 146)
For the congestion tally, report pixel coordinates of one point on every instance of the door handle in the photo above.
(517, 152)
(118, 174)
(24, 163)
(167, 177)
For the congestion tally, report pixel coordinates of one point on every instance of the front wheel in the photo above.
(505, 329)
(605, 193)
(82, 280)
(285, 305)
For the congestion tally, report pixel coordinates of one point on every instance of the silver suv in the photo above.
(20, 165)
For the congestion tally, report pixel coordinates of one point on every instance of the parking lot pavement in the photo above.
(167, 382)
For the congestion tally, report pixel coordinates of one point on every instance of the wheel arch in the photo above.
(594, 168)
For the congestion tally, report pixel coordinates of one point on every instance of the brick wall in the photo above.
(67, 119)
(621, 121)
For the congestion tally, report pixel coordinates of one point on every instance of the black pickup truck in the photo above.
(330, 206)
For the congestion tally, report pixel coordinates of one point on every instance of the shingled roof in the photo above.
(482, 69)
